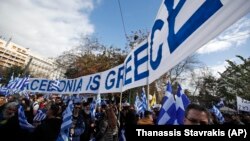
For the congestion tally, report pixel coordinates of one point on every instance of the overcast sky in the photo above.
(47, 27)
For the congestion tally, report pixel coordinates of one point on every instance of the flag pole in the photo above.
(148, 105)
(120, 104)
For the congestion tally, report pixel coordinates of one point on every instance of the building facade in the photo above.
(44, 68)
(12, 54)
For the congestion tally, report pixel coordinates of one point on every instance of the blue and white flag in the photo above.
(218, 114)
(76, 98)
(167, 113)
(92, 109)
(144, 100)
(40, 115)
(182, 102)
(122, 136)
(23, 82)
(65, 98)
(25, 93)
(220, 104)
(24, 124)
(55, 85)
(98, 100)
(66, 123)
(103, 102)
(4, 90)
(138, 105)
(18, 84)
(13, 83)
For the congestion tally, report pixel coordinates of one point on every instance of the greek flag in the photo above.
(25, 94)
(98, 100)
(218, 114)
(122, 135)
(81, 97)
(13, 82)
(65, 98)
(40, 115)
(144, 100)
(138, 105)
(19, 84)
(66, 124)
(55, 85)
(24, 124)
(72, 97)
(220, 104)
(92, 109)
(23, 83)
(167, 113)
(4, 90)
(182, 102)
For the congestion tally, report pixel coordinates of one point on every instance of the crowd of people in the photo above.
(105, 125)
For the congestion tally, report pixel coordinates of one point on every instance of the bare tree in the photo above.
(177, 74)
(89, 57)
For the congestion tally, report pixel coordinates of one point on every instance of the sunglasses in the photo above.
(196, 122)
(77, 106)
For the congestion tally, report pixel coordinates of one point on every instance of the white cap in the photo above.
(150, 97)
(156, 106)
(125, 104)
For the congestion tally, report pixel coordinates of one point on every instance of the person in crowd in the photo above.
(147, 119)
(2, 102)
(214, 120)
(98, 113)
(8, 112)
(36, 104)
(50, 128)
(246, 119)
(156, 114)
(78, 125)
(12, 98)
(25, 102)
(12, 125)
(131, 119)
(89, 123)
(237, 120)
(102, 126)
(35, 107)
(107, 128)
(228, 119)
(58, 101)
(196, 115)
(112, 122)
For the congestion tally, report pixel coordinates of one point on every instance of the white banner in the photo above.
(67, 86)
(136, 67)
(111, 81)
(85, 84)
(183, 26)
(180, 28)
(242, 104)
